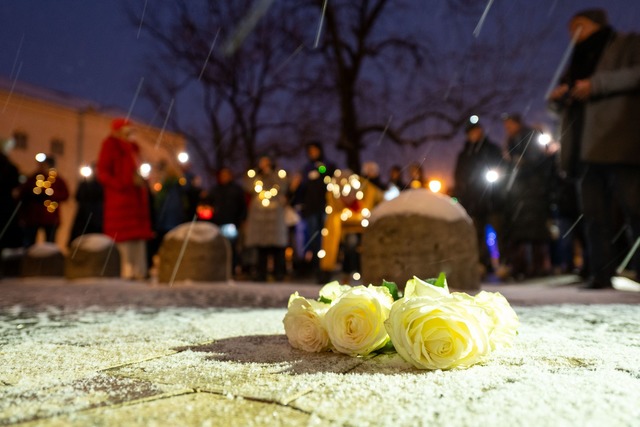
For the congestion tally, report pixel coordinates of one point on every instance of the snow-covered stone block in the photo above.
(420, 234)
(92, 255)
(43, 259)
(195, 251)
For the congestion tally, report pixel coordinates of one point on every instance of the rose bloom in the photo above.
(438, 333)
(505, 321)
(355, 321)
(332, 290)
(419, 288)
(304, 326)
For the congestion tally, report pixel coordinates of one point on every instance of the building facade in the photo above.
(72, 131)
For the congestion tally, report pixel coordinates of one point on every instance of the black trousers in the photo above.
(279, 262)
(601, 188)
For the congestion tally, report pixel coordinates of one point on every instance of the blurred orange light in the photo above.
(204, 212)
(435, 185)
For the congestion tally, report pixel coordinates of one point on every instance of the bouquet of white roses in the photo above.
(429, 326)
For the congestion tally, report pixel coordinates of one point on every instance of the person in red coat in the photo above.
(41, 195)
(126, 200)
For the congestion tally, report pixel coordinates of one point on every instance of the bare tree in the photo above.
(214, 74)
(390, 78)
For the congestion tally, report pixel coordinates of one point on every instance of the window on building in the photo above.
(57, 147)
(20, 139)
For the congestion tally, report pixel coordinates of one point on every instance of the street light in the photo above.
(544, 139)
(435, 185)
(145, 170)
(183, 157)
(86, 171)
(492, 176)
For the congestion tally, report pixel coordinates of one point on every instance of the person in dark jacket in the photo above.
(479, 177)
(41, 196)
(528, 200)
(599, 99)
(311, 197)
(228, 200)
(90, 206)
(10, 236)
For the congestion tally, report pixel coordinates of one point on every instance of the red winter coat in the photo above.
(126, 204)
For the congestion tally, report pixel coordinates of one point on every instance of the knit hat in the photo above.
(119, 123)
(598, 16)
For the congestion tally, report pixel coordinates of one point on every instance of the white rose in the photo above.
(303, 324)
(438, 333)
(355, 321)
(332, 291)
(419, 288)
(505, 321)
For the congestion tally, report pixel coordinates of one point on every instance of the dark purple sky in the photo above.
(90, 50)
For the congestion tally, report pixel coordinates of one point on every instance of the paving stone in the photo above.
(93, 391)
(196, 409)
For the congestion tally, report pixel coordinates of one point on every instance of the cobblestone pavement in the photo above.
(112, 352)
(57, 292)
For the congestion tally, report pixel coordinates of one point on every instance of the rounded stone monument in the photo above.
(421, 234)
(195, 251)
(43, 259)
(92, 255)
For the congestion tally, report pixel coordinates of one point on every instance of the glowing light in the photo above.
(41, 157)
(359, 195)
(364, 223)
(86, 171)
(183, 157)
(346, 190)
(322, 253)
(328, 210)
(327, 180)
(49, 191)
(37, 190)
(544, 139)
(266, 202)
(157, 187)
(251, 173)
(355, 183)
(182, 181)
(392, 193)
(435, 185)
(338, 172)
(356, 276)
(273, 192)
(282, 173)
(330, 187)
(366, 213)
(416, 184)
(492, 176)
(322, 169)
(145, 170)
(324, 232)
(45, 184)
(474, 119)
(204, 212)
(39, 177)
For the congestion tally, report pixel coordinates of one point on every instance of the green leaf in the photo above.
(387, 348)
(440, 282)
(324, 300)
(393, 289)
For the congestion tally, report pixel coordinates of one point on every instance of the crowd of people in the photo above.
(537, 210)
